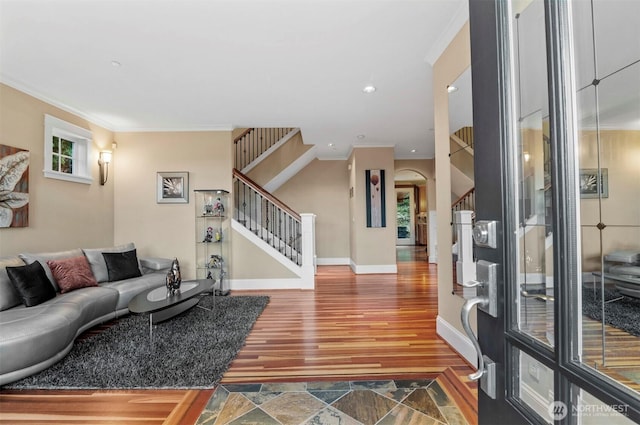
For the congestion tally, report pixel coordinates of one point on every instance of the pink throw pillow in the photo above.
(72, 273)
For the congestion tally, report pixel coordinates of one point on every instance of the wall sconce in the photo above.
(103, 162)
(527, 157)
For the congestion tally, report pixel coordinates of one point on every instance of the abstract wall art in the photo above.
(14, 187)
(374, 188)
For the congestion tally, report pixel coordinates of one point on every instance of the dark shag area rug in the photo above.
(192, 350)
(622, 314)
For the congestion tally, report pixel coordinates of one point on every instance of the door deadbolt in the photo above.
(484, 233)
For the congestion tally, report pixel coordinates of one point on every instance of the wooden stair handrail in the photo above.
(255, 186)
(244, 133)
(463, 197)
(466, 135)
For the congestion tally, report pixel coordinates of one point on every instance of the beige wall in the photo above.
(260, 265)
(449, 66)
(462, 159)
(277, 161)
(322, 188)
(166, 230)
(372, 246)
(620, 155)
(62, 214)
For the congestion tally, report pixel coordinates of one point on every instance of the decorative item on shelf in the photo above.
(218, 235)
(208, 236)
(215, 262)
(209, 275)
(222, 291)
(218, 208)
(173, 278)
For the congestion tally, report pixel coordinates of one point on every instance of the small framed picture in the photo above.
(592, 183)
(173, 187)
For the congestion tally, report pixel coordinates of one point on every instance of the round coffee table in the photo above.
(162, 306)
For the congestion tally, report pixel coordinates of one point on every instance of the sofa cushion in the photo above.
(9, 297)
(129, 288)
(72, 273)
(46, 256)
(122, 265)
(629, 257)
(633, 271)
(32, 283)
(32, 335)
(96, 260)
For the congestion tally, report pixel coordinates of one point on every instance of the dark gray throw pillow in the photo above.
(121, 265)
(32, 283)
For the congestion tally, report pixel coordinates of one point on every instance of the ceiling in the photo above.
(166, 65)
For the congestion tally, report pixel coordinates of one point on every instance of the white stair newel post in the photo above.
(465, 266)
(308, 249)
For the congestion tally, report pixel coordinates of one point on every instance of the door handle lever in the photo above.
(541, 297)
(464, 317)
(472, 284)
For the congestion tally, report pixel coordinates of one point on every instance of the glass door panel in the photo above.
(589, 410)
(534, 237)
(534, 386)
(608, 133)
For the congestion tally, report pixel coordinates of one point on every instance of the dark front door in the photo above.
(556, 129)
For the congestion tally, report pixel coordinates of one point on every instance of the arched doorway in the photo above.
(412, 208)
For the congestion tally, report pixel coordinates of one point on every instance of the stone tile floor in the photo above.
(385, 402)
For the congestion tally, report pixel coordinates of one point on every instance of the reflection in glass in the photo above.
(534, 386)
(461, 157)
(588, 410)
(608, 130)
(535, 314)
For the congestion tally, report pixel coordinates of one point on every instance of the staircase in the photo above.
(253, 143)
(286, 235)
(267, 217)
(463, 193)
(462, 170)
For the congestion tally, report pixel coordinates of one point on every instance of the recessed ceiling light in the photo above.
(369, 89)
(116, 64)
(451, 89)
(360, 136)
(330, 145)
(413, 151)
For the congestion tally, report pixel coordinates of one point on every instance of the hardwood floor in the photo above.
(350, 327)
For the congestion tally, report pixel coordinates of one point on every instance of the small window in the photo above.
(67, 150)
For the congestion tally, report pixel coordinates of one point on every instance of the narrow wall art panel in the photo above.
(14, 187)
(376, 214)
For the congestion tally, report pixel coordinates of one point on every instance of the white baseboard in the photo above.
(457, 340)
(533, 278)
(265, 284)
(334, 261)
(374, 268)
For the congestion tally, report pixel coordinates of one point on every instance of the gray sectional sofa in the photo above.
(34, 337)
(623, 268)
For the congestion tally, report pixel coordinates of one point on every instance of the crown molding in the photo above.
(24, 88)
(457, 22)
